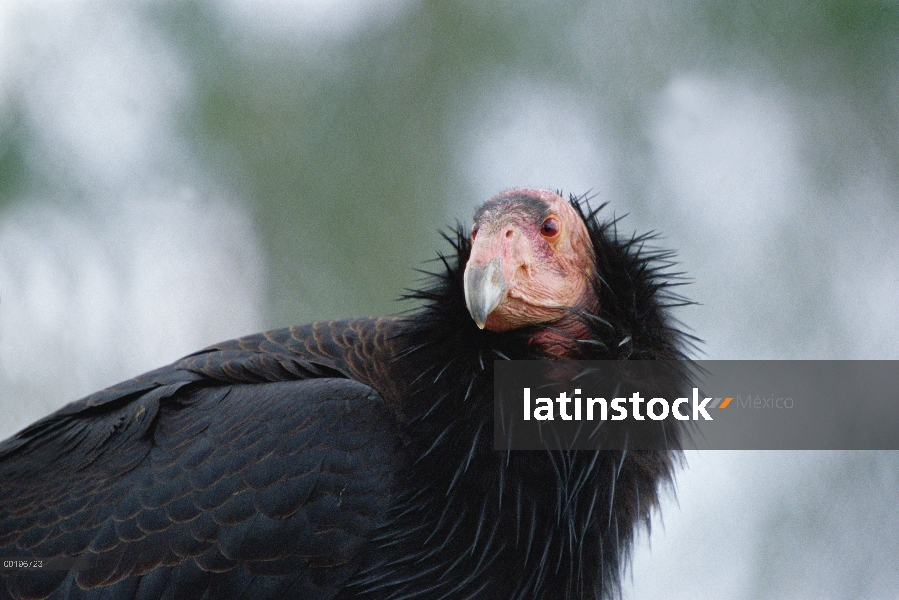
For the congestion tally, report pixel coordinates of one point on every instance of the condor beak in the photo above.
(484, 289)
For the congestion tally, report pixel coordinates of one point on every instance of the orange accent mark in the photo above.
(725, 403)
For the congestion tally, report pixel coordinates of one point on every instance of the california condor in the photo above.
(354, 459)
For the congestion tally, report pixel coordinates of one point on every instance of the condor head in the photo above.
(531, 263)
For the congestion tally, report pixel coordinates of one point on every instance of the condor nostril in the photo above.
(508, 233)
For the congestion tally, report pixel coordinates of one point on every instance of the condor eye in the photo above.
(474, 231)
(550, 228)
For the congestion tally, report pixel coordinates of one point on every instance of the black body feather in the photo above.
(350, 459)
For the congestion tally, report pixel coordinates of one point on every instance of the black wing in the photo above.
(175, 488)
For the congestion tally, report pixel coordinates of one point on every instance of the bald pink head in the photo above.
(531, 260)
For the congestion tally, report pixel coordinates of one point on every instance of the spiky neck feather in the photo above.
(564, 518)
(633, 286)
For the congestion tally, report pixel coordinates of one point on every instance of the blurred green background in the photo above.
(177, 173)
(351, 131)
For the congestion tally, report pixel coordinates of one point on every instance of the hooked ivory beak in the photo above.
(484, 289)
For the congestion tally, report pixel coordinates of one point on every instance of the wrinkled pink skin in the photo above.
(541, 274)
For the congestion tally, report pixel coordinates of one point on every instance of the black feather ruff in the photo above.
(488, 524)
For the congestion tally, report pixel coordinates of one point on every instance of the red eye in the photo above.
(550, 228)
(474, 231)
